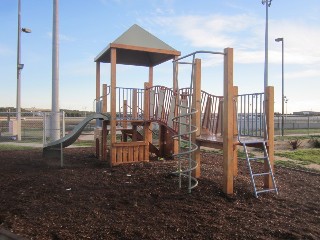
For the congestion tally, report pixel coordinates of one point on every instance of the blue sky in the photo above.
(88, 26)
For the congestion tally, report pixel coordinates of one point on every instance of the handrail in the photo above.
(197, 52)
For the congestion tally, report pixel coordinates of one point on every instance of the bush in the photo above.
(295, 143)
(315, 142)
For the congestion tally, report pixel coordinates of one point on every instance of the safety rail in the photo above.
(162, 105)
(251, 118)
(129, 103)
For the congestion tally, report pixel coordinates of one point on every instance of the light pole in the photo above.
(55, 119)
(268, 4)
(282, 119)
(19, 68)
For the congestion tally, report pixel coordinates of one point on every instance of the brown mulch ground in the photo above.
(86, 199)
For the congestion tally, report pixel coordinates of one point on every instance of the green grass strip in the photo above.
(307, 156)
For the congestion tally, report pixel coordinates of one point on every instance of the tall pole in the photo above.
(282, 102)
(19, 68)
(268, 4)
(282, 87)
(55, 119)
(19, 74)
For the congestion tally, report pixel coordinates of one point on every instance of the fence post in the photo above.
(44, 115)
(63, 124)
(308, 124)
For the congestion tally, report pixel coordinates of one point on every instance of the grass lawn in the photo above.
(306, 156)
(9, 147)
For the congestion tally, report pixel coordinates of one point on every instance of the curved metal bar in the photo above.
(198, 52)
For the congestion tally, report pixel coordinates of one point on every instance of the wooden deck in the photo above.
(216, 141)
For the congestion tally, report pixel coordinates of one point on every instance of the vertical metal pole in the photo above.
(61, 154)
(282, 120)
(266, 48)
(19, 73)
(63, 123)
(55, 120)
(44, 129)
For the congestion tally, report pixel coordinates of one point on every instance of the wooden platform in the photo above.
(216, 141)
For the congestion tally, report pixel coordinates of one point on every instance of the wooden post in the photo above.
(150, 76)
(196, 118)
(235, 131)
(104, 98)
(125, 123)
(104, 140)
(113, 102)
(146, 127)
(228, 109)
(175, 91)
(134, 104)
(270, 130)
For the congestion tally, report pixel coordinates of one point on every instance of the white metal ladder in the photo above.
(252, 131)
(254, 175)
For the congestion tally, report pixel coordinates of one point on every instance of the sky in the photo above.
(86, 27)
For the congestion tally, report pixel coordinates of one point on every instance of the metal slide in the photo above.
(76, 132)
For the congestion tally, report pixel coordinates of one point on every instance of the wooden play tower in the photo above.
(222, 122)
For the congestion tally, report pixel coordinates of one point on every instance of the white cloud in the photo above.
(301, 41)
(245, 33)
(308, 73)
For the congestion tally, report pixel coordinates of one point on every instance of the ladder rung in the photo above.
(266, 190)
(261, 174)
(258, 158)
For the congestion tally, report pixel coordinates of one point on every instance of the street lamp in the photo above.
(268, 4)
(19, 68)
(282, 119)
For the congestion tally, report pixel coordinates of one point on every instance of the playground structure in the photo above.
(186, 115)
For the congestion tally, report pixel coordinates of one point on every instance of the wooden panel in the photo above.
(126, 144)
(228, 122)
(207, 113)
(141, 153)
(130, 155)
(135, 153)
(119, 154)
(160, 103)
(125, 152)
(151, 103)
(219, 123)
(171, 112)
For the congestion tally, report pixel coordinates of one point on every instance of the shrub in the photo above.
(315, 142)
(295, 143)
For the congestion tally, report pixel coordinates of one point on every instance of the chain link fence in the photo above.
(36, 126)
(297, 124)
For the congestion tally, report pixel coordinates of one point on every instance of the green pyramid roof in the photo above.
(138, 47)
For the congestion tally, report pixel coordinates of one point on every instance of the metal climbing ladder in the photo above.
(253, 175)
(252, 131)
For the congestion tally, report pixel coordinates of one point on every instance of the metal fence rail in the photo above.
(251, 114)
(35, 126)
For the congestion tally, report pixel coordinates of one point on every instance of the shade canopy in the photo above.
(138, 47)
